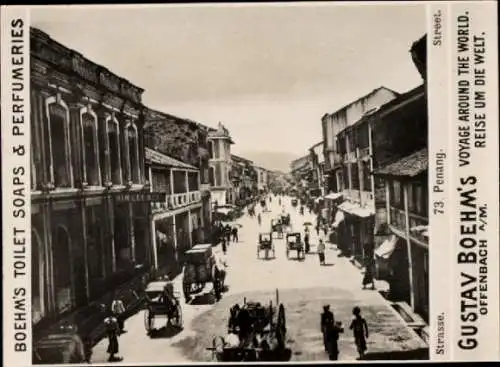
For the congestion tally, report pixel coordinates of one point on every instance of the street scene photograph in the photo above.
(229, 183)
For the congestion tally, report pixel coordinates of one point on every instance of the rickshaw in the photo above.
(263, 338)
(294, 243)
(265, 244)
(277, 226)
(201, 268)
(162, 300)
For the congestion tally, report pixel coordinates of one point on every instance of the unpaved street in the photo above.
(304, 286)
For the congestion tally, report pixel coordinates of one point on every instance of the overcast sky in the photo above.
(267, 72)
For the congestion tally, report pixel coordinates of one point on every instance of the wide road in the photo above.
(304, 287)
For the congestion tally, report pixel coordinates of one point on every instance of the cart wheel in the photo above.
(177, 319)
(217, 348)
(148, 320)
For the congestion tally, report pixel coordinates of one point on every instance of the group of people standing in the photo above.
(332, 329)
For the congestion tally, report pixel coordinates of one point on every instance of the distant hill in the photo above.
(275, 161)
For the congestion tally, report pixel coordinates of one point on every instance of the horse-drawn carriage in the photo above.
(162, 300)
(265, 244)
(294, 243)
(202, 268)
(255, 333)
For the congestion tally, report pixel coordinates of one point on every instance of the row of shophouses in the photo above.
(116, 188)
(368, 176)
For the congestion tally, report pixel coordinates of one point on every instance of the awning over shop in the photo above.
(387, 247)
(333, 195)
(355, 209)
(339, 217)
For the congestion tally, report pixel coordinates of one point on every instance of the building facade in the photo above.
(244, 179)
(177, 223)
(221, 187)
(262, 179)
(403, 257)
(185, 141)
(88, 188)
(317, 186)
(334, 123)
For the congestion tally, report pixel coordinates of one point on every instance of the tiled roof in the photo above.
(159, 158)
(409, 166)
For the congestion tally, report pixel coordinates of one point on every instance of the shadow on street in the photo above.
(165, 332)
(203, 299)
(416, 354)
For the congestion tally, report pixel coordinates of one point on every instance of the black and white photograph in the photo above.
(229, 183)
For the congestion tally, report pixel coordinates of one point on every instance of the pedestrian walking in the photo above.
(118, 310)
(224, 245)
(306, 241)
(317, 229)
(259, 219)
(227, 232)
(234, 232)
(331, 331)
(368, 278)
(359, 327)
(112, 332)
(321, 252)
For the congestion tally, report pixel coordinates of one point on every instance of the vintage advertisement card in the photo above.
(297, 182)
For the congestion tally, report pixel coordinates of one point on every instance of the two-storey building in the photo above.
(244, 178)
(333, 123)
(221, 188)
(186, 141)
(177, 222)
(88, 211)
(406, 250)
(401, 161)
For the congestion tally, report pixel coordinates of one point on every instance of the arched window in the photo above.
(62, 268)
(133, 153)
(90, 147)
(59, 144)
(211, 176)
(114, 151)
(37, 277)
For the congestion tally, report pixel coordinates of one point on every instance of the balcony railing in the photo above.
(350, 157)
(364, 153)
(175, 201)
(418, 226)
(398, 218)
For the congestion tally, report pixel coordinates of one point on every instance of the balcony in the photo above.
(176, 201)
(398, 218)
(350, 157)
(418, 228)
(364, 153)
